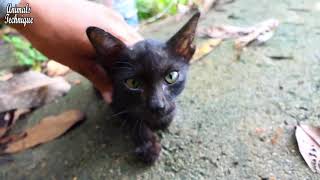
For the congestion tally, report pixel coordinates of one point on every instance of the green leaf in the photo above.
(150, 8)
(36, 67)
(6, 38)
(23, 59)
(25, 53)
(32, 54)
(40, 56)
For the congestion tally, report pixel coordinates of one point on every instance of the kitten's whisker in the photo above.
(135, 126)
(118, 113)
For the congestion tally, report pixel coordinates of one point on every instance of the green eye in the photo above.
(133, 83)
(172, 77)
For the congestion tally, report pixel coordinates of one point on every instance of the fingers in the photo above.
(95, 73)
(107, 96)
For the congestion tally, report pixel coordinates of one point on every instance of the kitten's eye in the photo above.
(172, 77)
(133, 83)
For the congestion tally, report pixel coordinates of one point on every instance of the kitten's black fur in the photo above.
(151, 106)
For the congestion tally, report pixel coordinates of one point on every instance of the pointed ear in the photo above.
(105, 44)
(181, 42)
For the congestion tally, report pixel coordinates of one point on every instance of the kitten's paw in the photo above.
(148, 152)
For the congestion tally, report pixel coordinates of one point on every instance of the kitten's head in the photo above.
(148, 76)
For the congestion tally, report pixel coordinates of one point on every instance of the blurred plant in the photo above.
(25, 53)
(150, 8)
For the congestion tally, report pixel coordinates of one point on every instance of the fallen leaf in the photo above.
(48, 129)
(313, 132)
(3, 131)
(224, 32)
(6, 119)
(56, 69)
(6, 77)
(261, 33)
(18, 113)
(243, 36)
(30, 89)
(12, 138)
(308, 142)
(205, 48)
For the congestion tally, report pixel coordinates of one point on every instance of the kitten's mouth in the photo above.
(161, 121)
(164, 114)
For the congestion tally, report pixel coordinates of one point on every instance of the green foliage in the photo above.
(24, 52)
(150, 8)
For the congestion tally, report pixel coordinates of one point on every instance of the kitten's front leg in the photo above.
(148, 145)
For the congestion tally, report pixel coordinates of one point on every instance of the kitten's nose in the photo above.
(157, 105)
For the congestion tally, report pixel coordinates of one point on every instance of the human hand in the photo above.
(58, 31)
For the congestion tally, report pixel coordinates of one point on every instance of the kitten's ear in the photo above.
(105, 44)
(181, 42)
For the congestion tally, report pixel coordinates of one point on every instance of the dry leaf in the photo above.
(313, 132)
(6, 119)
(18, 113)
(30, 89)
(205, 48)
(260, 32)
(12, 138)
(224, 32)
(6, 77)
(56, 69)
(48, 129)
(308, 138)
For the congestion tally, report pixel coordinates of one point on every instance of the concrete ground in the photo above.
(236, 118)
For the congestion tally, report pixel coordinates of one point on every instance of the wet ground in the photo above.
(236, 118)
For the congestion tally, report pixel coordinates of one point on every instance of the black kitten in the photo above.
(147, 78)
